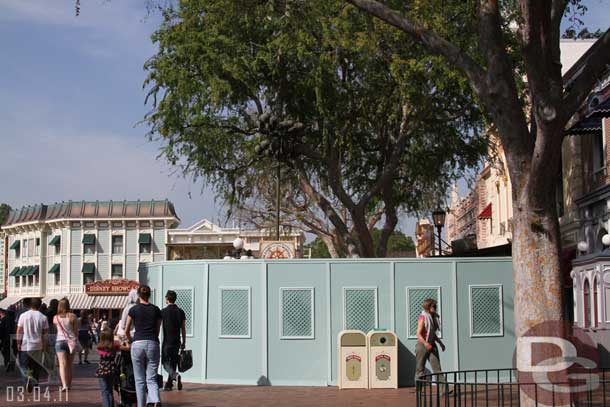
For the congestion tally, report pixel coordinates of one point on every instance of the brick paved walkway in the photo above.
(85, 393)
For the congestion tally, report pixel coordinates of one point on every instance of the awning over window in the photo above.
(56, 240)
(110, 301)
(34, 270)
(81, 301)
(486, 213)
(14, 272)
(89, 238)
(25, 271)
(88, 268)
(54, 269)
(15, 245)
(145, 238)
(8, 301)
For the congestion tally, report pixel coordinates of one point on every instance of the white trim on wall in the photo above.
(439, 310)
(313, 311)
(235, 288)
(500, 291)
(361, 288)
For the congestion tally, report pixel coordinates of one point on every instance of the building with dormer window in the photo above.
(60, 250)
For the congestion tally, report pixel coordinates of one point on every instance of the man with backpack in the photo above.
(174, 325)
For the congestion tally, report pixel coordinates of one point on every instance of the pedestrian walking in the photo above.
(145, 347)
(85, 333)
(7, 330)
(107, 348)
(426, 349)
(174, 326)
(32, 333)
(132, 300)
(66, 344)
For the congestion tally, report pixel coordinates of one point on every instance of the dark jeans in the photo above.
(106, 385)
(169, 359)
(30, 364)
(6, 351)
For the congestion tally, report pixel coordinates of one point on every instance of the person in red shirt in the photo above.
(428, 325)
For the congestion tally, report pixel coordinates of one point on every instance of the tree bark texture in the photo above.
(532, 148)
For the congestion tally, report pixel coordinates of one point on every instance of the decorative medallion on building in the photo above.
(277, 250)
(116, 286)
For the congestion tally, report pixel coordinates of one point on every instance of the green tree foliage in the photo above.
(399, 245)
(385, 126)
(5, 209)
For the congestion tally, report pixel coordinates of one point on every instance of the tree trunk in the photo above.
(391, 220)
(365, 239)
(330, 245)
(538, 296)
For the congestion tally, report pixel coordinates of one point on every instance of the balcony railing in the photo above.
(36, 291)
(65, 289)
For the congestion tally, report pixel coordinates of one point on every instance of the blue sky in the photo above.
(70, 96)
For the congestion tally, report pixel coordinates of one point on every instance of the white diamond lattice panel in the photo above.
(360, 309)
(486, 311)
(297, 313)
(235, 312)
(184, 300)
(416, 297)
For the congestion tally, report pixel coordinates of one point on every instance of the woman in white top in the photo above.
(66, 343)
(119, 330)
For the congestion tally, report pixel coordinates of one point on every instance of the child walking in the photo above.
(107, 348)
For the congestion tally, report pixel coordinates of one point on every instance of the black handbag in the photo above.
(185, 360)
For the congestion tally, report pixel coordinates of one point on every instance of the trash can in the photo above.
(383, 360)
(353, 360)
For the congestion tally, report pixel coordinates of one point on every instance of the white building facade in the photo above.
(206, 240)
(55, 250)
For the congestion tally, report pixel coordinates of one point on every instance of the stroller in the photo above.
(125, 382)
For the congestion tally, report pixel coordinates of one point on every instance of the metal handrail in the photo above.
(501, 387)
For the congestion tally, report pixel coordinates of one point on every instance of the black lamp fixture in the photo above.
(278, 139)
(438, 217)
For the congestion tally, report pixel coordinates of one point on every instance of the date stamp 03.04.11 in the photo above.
(40, 396)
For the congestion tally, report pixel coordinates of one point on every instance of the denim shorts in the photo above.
(62, 346)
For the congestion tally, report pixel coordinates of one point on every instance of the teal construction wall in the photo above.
(264, 357)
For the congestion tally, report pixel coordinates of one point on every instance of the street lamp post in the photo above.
(438, 217)
(278, 140)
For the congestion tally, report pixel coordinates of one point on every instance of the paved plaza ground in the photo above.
(85, 393)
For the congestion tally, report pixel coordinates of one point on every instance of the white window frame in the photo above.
(501, 289)
(360, 288)
(122, 270)
(234, 288)
(313, 312)
(439, 308)
(112, 237)
(192, 289)
(94, 244)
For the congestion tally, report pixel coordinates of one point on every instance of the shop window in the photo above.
(117, 244)
(117, 271)
(586, 297)
(595, 302)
